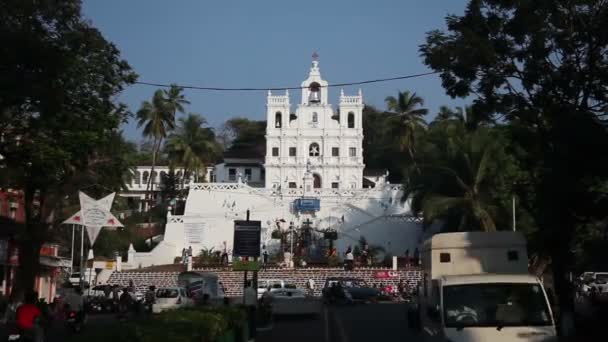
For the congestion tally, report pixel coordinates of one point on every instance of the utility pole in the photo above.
(514, 221)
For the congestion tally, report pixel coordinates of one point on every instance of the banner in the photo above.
(194, 232)
(94, 214)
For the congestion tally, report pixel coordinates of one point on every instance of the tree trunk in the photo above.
(29, 245)
(29, 264)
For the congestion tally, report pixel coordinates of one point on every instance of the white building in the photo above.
(138, 184)
(330, 142)
(313, 155)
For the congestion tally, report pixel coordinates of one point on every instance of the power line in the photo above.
(288, 88)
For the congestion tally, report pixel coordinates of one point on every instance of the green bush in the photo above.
(200, 324)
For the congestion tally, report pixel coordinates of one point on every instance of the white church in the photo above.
(313, 172)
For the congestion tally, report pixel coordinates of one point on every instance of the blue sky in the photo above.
(269, 44)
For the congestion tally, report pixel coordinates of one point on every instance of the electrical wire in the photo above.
(287, 88)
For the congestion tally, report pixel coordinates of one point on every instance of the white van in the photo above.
(273, 285)
(476, 287)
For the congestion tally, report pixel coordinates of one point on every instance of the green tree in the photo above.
(460, 176)
(158, 119)
(542, 66)
(192, 145)
(407, 106)
(242, 136)
(380, 149)
(60, 78)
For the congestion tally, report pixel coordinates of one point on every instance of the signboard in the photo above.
(194, 232)
(247, 238)
(241, 265)
(386, 275)
(307, 204)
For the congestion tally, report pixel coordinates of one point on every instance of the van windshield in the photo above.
(495, 304)
(167, 293)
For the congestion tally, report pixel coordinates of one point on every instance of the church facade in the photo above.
(312, 175)
(314, 138)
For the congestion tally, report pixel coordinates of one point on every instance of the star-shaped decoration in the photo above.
(94, 214)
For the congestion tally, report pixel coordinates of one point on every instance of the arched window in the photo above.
(315, 117)
(146, 175)
(137, 177)
(314, 150)
(315, 93)
(277, 120)
(316, 181)
(154, 179)
(351, 120)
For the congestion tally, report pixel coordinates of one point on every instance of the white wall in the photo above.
(377, 214)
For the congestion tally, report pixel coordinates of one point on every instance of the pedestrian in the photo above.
(416, 257)
(190, 251)
(311, 287)
(27, 317)
(251, 301)
(365, 255)
(264, 255)
(401, 288)
(350, 260)
(184, 254)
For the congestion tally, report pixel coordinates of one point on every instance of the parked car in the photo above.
(273, 284)
(349, 290)
(171, 298)
(293, 302)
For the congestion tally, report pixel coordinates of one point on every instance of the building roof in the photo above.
(489, 278)
(243, 164)
(475, 239)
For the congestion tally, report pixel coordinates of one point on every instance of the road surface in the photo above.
(384, 322)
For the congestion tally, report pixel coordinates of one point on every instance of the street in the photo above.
(365, 322)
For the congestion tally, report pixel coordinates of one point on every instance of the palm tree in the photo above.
(407, 106)
(157, 119)
(466, 115)
(460, 179)
(175, 99)
(192, 145)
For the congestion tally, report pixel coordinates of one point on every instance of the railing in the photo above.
(278, 99)
(351, 100)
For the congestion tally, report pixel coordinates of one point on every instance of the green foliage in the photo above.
(192, 145)
(242, 136)
(540, 67)
(461, 174)
(58, 114)
(182, 325)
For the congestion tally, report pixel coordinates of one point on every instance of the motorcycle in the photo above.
(74, 321)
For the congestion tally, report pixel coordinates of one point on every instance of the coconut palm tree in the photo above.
(408, 108)
(460, 179)
(192, 145)
(175, 99)
(157, 119)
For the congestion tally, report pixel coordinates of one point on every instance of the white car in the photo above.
(293, 302)
(171, 298)
(273, 284)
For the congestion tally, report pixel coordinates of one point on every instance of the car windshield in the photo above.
(496, 304)
(601, 277)
(290, 286)
(167, 293)
(352, 283)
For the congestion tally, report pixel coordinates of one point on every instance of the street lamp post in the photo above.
(291, 227)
